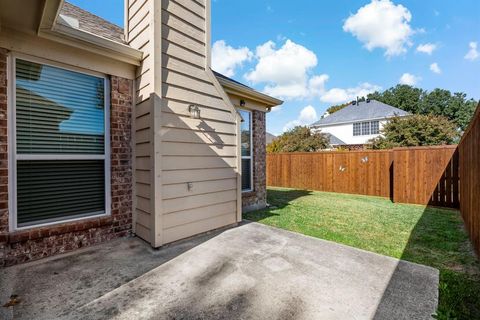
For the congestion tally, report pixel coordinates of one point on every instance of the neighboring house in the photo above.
(357, 123)
(270, 137)
(108, 132)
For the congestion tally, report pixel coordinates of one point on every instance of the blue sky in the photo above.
(314, 54)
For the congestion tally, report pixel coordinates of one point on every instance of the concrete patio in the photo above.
(249, 272)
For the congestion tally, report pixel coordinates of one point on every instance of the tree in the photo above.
(336, 108)
(339, 107)
(402, 96)
(299, 139)
(416, 130)
(455, 107)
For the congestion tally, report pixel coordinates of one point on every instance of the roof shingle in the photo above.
(75, 17)
(360, 112)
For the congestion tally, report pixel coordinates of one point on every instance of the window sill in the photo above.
(248, 193)
(58, 229)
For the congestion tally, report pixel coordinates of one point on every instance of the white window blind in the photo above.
(60, 134)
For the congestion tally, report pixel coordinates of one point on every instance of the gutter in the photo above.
(237, 89)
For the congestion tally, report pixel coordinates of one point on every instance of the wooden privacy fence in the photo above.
(359, 172)
(469, 157)
(426, 175)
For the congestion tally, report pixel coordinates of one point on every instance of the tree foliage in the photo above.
(416, 130)
(339, 107)
(298, 139)
(455, 107)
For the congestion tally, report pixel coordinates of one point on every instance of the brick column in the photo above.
(121, 156)
(257, 199)
(3, 155)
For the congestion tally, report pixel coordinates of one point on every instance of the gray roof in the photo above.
(75, 17)
(334, 141)
(219, 75)
(362, 111)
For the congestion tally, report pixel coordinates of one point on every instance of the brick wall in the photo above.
(257, 198)
(36, 243)
(3, 154)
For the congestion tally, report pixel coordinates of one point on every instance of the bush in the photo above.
(416, 130)
(299, 139)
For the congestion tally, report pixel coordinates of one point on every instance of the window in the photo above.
(61, 167)
(375, 127)
(246, 140)
(365, 128)
(357, 129)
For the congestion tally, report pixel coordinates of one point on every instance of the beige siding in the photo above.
(140, 36)
(143, 173)
(172, 150)
(202, 152)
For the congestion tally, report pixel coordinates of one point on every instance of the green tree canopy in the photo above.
(416, 130)
(455, 107)
(339, 107)
(299, 139)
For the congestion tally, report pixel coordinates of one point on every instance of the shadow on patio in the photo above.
(76, 279)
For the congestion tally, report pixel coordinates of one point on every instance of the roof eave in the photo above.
(50, 29)
(236, 89)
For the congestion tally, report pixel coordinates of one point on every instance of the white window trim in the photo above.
(12, 146)
(251, 151)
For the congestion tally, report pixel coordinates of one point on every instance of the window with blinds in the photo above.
(246, 140)
(61, 159)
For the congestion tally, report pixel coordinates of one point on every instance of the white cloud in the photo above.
(435, 68)
(382, 24)
(427, 48)
(409, 79)
(340, 95)
(472, 54)
(285, 70)
(307, 116)
(226, 59)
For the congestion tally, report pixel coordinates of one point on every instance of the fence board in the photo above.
(469, 162)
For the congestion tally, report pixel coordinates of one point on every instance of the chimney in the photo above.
(174, 89)
(157, 27)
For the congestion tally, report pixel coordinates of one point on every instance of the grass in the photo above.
(429, 236)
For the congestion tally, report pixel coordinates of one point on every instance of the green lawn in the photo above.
(429, 236)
